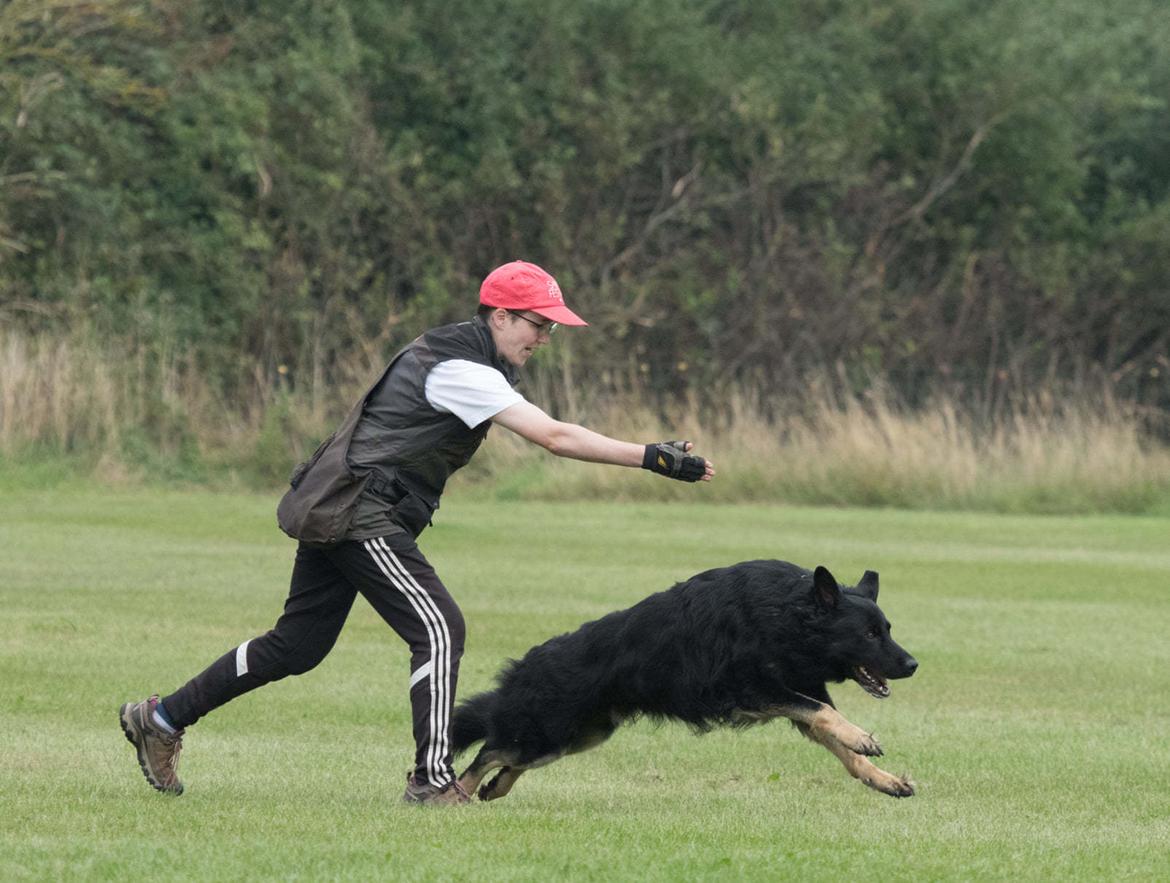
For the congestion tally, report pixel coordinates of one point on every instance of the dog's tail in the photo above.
(470, 723)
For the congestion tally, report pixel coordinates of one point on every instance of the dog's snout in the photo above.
(911, 665)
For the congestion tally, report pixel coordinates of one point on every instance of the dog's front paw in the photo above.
(895, 786)
(829, 723)
(860, 742)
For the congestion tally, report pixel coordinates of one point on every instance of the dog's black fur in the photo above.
(732, 646)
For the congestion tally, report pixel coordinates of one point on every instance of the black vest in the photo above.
(391, 457)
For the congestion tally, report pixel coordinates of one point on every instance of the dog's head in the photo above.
(859, 642)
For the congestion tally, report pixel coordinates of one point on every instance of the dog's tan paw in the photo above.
(895, 786)
(860, 742)
(829, 723)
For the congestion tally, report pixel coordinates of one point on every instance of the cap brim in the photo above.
(558, 313)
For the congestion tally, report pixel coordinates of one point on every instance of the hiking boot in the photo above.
(158, 750)
(424, 792)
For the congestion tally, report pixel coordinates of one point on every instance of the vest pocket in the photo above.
(409, 510)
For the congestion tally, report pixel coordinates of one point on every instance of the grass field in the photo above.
(1036, 727)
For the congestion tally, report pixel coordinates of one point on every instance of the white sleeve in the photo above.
(472, 392)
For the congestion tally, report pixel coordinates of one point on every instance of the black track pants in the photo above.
(392, 574)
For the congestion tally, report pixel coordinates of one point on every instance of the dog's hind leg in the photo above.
(501, 784)
(594, 732)
(487, 760)
(506, 777)
(860, 767)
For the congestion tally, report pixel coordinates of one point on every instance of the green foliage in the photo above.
(948, 193)
(271, 453)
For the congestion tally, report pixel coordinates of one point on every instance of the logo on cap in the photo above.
(554, 291)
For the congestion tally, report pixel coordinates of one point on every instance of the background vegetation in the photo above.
(217, 219)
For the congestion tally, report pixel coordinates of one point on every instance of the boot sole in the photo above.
(131, 736)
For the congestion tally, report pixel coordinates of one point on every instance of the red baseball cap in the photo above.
(523, 286)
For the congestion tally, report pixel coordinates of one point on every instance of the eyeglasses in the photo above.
(546, 327)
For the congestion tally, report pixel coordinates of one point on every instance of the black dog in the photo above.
(735, 646)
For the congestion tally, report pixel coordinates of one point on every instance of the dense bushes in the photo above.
(971, 197)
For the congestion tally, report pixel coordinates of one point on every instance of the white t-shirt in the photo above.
(471, 391)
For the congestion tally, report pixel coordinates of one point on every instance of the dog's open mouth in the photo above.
(873, 684)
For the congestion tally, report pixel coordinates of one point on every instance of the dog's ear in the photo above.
(868, 587)
(825, 588)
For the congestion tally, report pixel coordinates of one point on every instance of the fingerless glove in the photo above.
(670, 459)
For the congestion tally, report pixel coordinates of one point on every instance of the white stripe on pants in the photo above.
(439, 639)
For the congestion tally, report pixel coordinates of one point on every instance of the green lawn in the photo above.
(1036, 728)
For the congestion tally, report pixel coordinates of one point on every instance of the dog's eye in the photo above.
(874, 634)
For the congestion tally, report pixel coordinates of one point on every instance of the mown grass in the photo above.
(1035, 728)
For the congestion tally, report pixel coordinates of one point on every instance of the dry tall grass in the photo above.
(1042, 456)
(73, 395)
